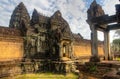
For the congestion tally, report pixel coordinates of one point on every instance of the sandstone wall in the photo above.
(83, 49)
(11, 48)
(100, 50)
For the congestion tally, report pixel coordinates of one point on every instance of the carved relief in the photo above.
(95, 10)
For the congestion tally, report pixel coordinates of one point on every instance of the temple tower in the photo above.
(62, 36)
(20, 19)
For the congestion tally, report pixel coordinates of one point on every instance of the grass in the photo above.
(118, 58)
(45, 76)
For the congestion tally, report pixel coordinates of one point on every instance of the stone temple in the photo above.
(41, 43)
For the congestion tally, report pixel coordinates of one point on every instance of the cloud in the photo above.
(109, 6)
(74, 11)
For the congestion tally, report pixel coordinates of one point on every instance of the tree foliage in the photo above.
(115, 47)
(116, 41)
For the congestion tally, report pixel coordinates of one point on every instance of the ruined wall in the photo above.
(83, 49)
(11, 48)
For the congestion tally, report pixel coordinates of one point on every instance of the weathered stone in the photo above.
(35, 18)
(48, 42)
(20, 19)
(60, 26)
(118, 12)
(111, 75)
(6, 31)
(118, 73)
(95, 59)
(107, 46)
(95, 10)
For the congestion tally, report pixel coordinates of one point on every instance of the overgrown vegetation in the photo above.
(46, 75)
(115, 48)
(92, 67)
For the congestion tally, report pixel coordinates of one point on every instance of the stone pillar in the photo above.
(94, 44)
(106, 45)
(72, 51)
(38, 44)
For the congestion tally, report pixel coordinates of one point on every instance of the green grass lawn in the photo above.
(45, 76)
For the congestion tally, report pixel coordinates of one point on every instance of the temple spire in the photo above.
(21, 4)
(94, 3)
(20, 18)
(35, 17)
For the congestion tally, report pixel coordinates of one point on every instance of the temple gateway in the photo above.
(43, 43)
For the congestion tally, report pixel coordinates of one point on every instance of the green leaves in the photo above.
(115, 47)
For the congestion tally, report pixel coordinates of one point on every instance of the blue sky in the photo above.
(74, 11)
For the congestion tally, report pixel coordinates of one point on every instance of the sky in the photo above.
(73, 11)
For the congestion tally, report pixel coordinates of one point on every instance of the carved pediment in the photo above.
(58, 23)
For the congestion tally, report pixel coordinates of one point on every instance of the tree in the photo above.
(117, 34)
(115, 47)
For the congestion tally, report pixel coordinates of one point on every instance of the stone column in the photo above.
(38, 44)
(106, 45)
(94, 44)
(72, 51)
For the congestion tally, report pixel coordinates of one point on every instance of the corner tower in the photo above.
(20, 18)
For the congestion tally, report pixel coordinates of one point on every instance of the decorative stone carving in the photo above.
(43, 36)
(95, 10)
(58, 23)
(20, 19)
(60, 31)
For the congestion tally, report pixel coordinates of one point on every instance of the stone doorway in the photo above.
(65, 50)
